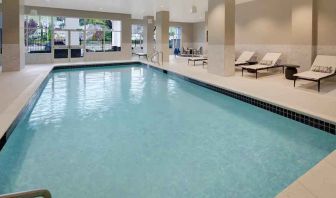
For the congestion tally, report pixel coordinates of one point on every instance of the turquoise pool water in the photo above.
(131, 131)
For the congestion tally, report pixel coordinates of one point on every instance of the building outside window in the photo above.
(103, 35)
(137, 38)
(59, 22)
(38, 34)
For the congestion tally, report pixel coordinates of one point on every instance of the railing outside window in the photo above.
(38, 40)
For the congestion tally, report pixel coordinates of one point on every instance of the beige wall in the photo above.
(303, 34)
(187, 33)
(199, 37)
(268, 27)
(326, 17)
(264, 26)
(264, 22)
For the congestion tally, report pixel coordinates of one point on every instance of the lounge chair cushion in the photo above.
(266, 62)
(244, 57)
(255, 67)
(270, 58)
(274, 57)
(241, 63)
(322, 69)
(198, 58)
(312, 75)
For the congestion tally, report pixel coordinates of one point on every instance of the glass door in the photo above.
(76, 45)
(175, 39)
(68, 45)
(61, 46)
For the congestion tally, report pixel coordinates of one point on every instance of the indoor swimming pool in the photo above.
(130, 131)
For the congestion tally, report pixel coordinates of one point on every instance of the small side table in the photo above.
(290, 71)
(252, 62)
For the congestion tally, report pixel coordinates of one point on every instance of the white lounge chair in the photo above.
(197, 59)
(270, 60)
(140, 54)
(245, 57)
(316, 74)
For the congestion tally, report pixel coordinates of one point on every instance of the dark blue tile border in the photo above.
(27, 108)
(307, 120)
(79, 66)
(299, 117)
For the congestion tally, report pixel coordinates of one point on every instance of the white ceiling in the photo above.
(180, 10)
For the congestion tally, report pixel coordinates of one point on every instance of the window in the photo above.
(59, 23)
(38, 34)
(98, 35)
(137, 38)
(175, 37)
(103, 35)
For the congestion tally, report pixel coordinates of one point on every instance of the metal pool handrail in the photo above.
(157, 53)
(29, 194)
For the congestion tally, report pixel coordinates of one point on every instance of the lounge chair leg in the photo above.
(294, 82)
(242, 72)
(256, 74)
(319, 85)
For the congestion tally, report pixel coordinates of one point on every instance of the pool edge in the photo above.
(297, 116)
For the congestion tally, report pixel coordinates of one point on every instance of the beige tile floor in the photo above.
(319, 182)
(16, 88)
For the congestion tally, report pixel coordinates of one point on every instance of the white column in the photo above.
(303, 33)
(162, 34)
(221, 27)
(13, 54)
(148, 34)
(126, 37)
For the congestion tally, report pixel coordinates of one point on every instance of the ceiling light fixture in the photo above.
(193, 9)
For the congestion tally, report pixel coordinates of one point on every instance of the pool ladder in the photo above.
(29, 194)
